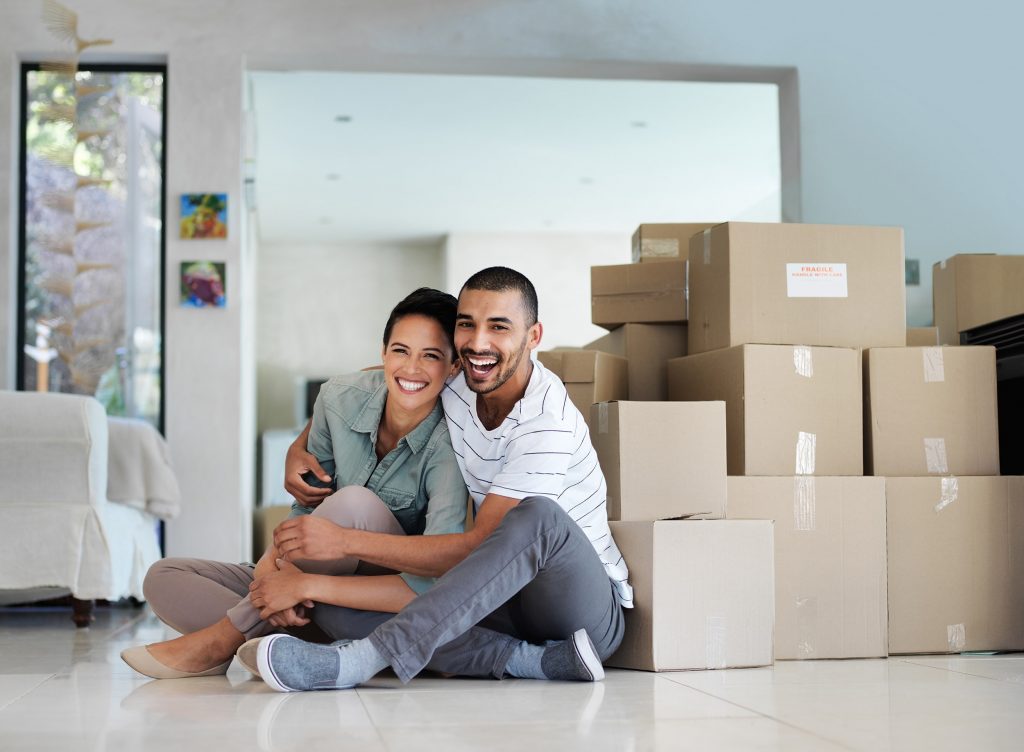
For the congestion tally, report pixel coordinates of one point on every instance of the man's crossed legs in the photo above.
(506, 609)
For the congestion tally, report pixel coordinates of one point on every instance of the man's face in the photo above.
(492, 338)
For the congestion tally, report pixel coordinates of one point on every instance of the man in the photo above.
(536, 588)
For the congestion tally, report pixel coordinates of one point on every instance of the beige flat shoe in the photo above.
(246, 655)
(140, 659)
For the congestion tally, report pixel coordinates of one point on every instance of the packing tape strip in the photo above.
(806, 627)
(660, 247)
(714, 641)
(935, 455)
(602, 417)
(956, 635)
(805, 447)
(803, 360)
(707, 246)
(950, 492)
(805, 505)
(934, 366)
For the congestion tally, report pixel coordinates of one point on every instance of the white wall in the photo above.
(557, 264)
(909, 115)
(322, 310)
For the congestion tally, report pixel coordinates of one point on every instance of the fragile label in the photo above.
(816, 280)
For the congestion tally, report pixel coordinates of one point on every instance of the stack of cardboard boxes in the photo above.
(797, 343)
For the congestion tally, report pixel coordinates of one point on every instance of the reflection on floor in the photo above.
(63, 688)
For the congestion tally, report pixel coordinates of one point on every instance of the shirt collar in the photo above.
(368, 420)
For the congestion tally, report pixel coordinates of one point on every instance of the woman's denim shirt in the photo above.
(419, 479)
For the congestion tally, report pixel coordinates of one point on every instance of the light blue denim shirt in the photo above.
(419, 479)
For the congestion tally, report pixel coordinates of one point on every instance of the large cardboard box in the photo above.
(796, 284)
(647, 348)
(931, 411)
(789, 410)
(922, 336)
(638, 293)
(830, 582)
(664, 242)
(969, 290)
(589, 375)
(704, 594)
(661, 460)
(956, 564)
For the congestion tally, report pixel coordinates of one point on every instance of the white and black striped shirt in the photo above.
(541, 449)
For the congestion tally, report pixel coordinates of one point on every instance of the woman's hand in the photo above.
(297, 462)
(278, 591)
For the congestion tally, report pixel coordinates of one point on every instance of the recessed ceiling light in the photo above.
(325, 220)
(639, 124)
(342, 118)
(333, 176)
(586, 181)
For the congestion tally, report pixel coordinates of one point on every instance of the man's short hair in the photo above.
(500, 279)
(431, 303)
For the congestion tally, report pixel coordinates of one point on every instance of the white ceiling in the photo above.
(422, 156)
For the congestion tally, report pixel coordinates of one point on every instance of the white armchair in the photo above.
(61, 533)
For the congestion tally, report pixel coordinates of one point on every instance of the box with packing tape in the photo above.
(830, 582)
(704, 594)
(931, 411)
(789, 410)
(661, 460)
(647, 349)
(638, 293)
(589, 376)
(665, 242)
(973, 289)
(956, 563)
(793, 284)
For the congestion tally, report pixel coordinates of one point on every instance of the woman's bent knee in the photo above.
(360, 508)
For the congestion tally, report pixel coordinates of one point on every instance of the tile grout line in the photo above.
(960, 673)
(756, 712)
(27, 692)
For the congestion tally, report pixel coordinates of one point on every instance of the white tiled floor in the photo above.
(61, 687)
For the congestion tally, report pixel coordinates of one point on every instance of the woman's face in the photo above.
(417, 360)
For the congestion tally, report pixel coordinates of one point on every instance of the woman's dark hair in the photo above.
(431, 303)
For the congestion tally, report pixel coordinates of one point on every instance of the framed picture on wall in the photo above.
(203, 284)
(204, 215)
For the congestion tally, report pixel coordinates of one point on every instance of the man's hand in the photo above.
(297, 462)
(291, 617)
(279, 591)
(309, 537)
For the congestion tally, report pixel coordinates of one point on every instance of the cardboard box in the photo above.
(589, 375)
(969, 290)
(704, 594)
(922, 336)
(647, 348)
(956, 564)
(789, 410)
(638, 293)
(931, 411)
(265, 519)
(664, 242)
(796, 284)
(661, 460)
(830, 581)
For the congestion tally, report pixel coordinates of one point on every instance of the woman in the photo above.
(383, 434)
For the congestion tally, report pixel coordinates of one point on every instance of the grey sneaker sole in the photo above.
(587, 654)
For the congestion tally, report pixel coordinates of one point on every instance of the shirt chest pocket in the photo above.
(403, 505)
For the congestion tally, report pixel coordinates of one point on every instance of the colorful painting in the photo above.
(203, 284)
(204, 215)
